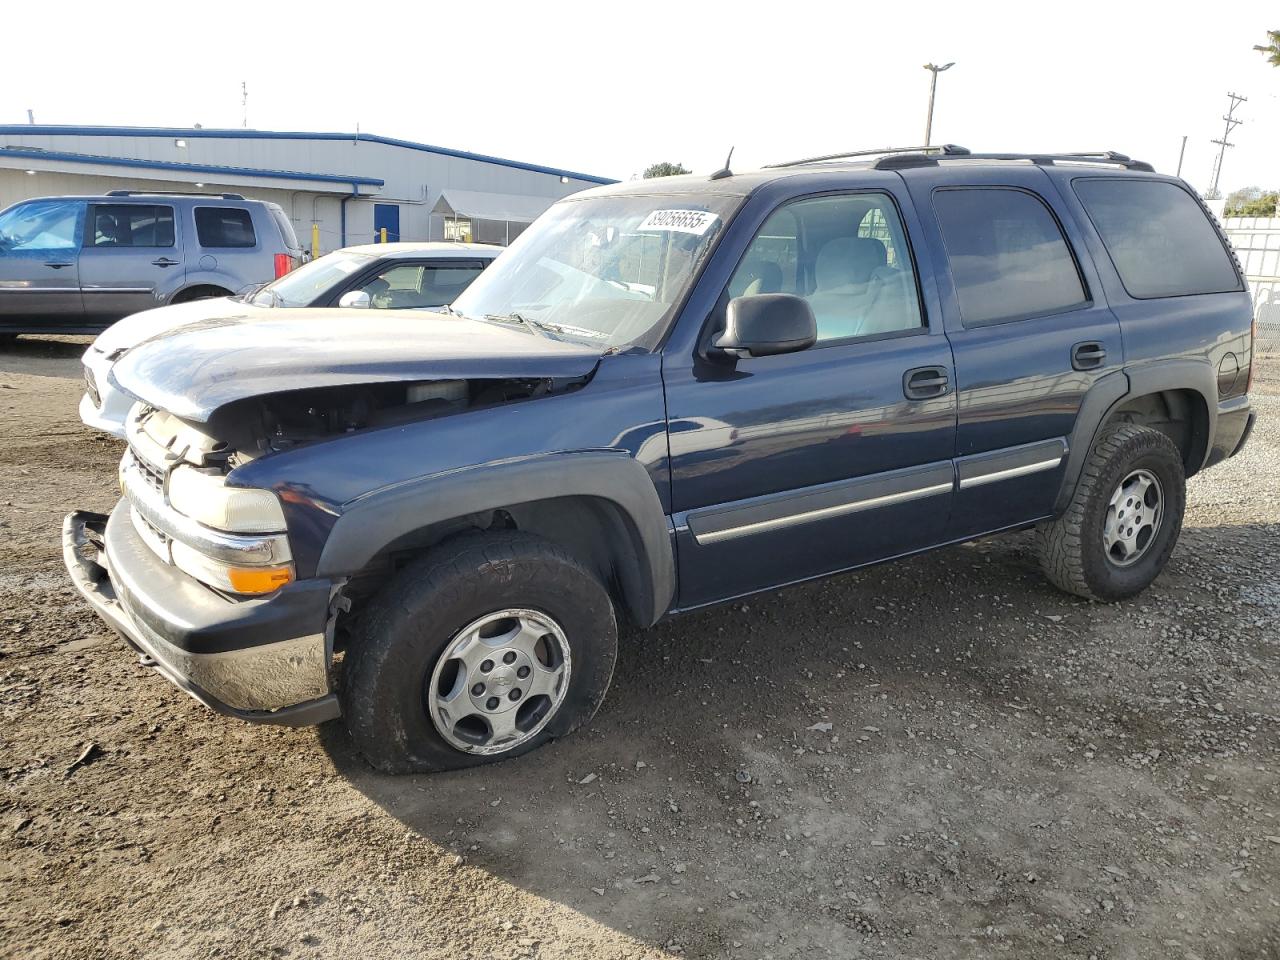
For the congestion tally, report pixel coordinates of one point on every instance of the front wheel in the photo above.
(484, 649)
(1124, 519)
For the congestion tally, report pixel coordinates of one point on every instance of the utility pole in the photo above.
(244, 104)
(934, 69)
(1181, 153)
(31, 116)
(1232, 123)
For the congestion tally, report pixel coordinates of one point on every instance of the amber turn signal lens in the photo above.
(258, 579)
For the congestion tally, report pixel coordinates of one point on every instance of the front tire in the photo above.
(1124, 519)
(484, 649)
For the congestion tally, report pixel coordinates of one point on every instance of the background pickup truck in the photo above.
(667, 394)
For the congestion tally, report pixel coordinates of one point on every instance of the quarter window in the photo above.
(1008, 256)
(846, 255)
(1159, 238)
(224, 227)
(132, 225)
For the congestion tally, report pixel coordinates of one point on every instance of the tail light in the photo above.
(284, 263)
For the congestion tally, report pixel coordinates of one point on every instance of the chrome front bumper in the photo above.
(263, 660)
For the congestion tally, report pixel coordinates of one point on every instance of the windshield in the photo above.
(300, 287)
(604, 270)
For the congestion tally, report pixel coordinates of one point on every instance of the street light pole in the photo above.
(934, 69)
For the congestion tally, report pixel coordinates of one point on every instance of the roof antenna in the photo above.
(723, 171)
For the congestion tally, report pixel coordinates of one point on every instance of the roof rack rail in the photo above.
(172, 193)
(903, 161)
(949, 149)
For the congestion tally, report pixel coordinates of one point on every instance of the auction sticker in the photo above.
(679, 221)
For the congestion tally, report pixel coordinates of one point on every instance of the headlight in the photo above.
(205, 498)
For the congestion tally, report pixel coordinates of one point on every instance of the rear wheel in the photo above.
(200, 293)
(484, 649)
(1123, 520)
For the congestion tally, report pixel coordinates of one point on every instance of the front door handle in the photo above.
(1088, 355)
(925, 383)
(57, 265)
(166, 262)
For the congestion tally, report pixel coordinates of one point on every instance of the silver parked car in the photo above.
(390, 276)
(78, 264)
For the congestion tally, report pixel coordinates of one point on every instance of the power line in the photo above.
(1225, 142)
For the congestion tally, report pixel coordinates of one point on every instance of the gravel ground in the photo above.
(937, 758)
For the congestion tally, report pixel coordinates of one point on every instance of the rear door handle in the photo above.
(58, 265)
(166, 262)
(1088, 355)
(925, 383)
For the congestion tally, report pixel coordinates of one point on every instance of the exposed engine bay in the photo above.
(255, 427)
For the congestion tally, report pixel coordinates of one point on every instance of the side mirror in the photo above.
(767, 324)
(356, 300)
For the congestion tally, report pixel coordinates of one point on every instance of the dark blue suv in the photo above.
(667, 394)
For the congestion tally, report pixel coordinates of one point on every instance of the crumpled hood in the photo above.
(193, 370)
(133, 329)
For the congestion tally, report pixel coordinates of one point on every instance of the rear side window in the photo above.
(224, 227)
(1159, 238)
(131, 225)
(1007, 253)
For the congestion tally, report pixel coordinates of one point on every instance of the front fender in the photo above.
(370, 523)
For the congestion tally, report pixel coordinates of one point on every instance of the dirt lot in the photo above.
(1007, 771)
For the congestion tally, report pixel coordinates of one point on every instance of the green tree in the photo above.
(1254, 203)
(1272, 48)
(665, 169)
(1238, 198)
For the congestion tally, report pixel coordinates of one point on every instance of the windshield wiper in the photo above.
(537, 327)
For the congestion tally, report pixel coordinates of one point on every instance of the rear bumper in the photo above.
(263, 660)
(1235, 422)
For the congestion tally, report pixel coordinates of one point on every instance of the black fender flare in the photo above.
(1113, 389)
(646, 561)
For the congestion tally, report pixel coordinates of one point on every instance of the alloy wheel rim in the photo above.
(1133, 519)
(499, 681)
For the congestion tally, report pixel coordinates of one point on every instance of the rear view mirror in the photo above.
(356, 300)
(767, 324)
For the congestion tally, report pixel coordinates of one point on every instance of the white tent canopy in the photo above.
(477, 205)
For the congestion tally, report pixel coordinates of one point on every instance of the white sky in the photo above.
(608, 89)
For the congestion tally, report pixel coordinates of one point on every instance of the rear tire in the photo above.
(1116, 535)
(414, 695)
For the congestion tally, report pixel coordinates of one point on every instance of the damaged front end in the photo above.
(195, 567)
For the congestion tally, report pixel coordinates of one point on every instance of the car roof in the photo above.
(210, 198)
(443, 249)
(905, 163)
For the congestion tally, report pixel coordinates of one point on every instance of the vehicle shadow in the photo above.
(44, 356)
(880, 758)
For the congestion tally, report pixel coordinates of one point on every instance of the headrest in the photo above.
(848, 260)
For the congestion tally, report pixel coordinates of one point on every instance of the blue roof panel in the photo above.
(18, 129)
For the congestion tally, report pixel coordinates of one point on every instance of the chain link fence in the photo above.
(1256, 241)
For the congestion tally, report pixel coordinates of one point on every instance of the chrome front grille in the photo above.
(153, 477)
